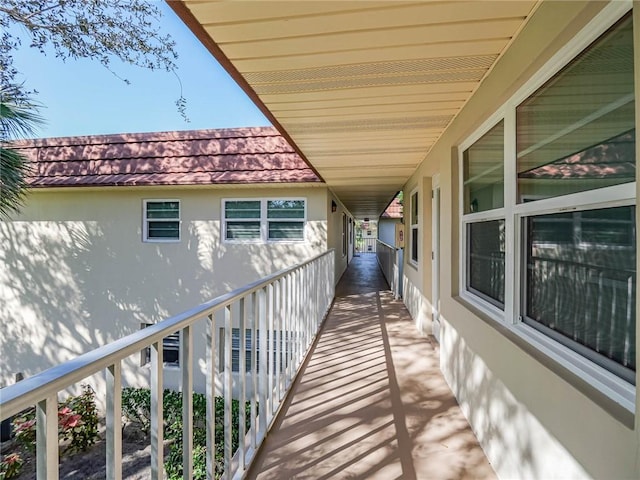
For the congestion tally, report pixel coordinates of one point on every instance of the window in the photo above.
(170, 350)
(284, 341)
(549, 229)
(344, 234)
(161, 220)
(274, 220)
(483, 199)
(414, 221)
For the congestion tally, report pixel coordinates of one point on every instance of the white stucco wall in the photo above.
(76, 274)
(532, 419)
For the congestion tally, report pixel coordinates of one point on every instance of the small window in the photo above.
(170, 350)
(242, 219)
(415, 231)
(284, 347)
(344, 234)
(161, 220)
(285, 219)
(277, 220)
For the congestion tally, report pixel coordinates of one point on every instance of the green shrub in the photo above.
(136, 407)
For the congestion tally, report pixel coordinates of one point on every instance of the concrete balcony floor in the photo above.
(370, 401)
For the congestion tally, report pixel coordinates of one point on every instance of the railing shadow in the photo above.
(370, 402)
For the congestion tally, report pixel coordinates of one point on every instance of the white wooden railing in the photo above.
(291, 303)
(366, 245)
(390, 261)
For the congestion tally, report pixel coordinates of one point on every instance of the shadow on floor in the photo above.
(371, 401)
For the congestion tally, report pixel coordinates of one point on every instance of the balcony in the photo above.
(368, 399)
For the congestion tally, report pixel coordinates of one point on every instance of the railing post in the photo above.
(114, 422)
(262, 363)
(47, 438)
(227, 389)
(157, 415)
(186, 366)
(278, 337)
(242, 376)
(211, 397)
(271, 337)
(254, 369)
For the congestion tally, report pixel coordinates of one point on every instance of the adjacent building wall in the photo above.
(387, 230)
(532, 421)
(76, 274)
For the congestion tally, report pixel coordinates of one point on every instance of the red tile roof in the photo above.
(197, 157)
(394, 210)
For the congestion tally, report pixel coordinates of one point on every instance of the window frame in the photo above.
(611, 385)
(264, 220)
(414, 226)
(146, 220)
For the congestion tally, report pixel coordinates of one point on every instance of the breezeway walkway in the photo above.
(371, 401)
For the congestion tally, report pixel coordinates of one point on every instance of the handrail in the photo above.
(293, 300)
(386, 244)
(38, 387)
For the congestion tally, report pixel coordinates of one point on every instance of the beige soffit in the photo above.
(362, 89)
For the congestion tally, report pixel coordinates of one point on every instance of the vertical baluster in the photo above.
(186, 367)
(294, 319)
(157, 460)
(211, 397)
(270, 348)
(278, 338)
(47, 438)
(287, 331)
(242, 379)
(262, 363)
(114, 421)
(254, 369)
(227, 390)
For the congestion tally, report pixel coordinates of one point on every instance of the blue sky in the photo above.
(83, 98)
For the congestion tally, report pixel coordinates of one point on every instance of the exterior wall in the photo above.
(387, 230)
(334, 234)
(532, 419)
(416, 283)
(76, 273)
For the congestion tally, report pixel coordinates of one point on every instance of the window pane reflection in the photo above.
(577, 132)
(580, 282)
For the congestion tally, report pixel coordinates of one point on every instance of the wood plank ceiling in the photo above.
(362, 88)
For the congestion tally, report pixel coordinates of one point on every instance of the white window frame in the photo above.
(146, 220)
(264, 220)
(614, 387)
(415, 192)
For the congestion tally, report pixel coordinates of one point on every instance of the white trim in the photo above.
(263, 220)
(146, 220)
(608, 383)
